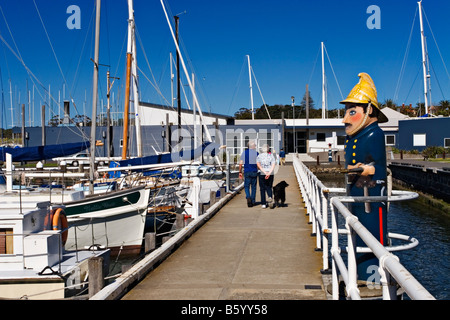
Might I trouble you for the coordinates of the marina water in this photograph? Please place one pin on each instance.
(429, 262)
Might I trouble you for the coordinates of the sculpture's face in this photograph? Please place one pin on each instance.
(355, 119)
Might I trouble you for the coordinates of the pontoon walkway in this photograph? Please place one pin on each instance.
(243, 253)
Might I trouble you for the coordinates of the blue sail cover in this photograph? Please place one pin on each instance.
(43, 152)
(186, 155)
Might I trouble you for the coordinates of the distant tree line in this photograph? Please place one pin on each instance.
(82, 120)
(299, 111)
(438, 109)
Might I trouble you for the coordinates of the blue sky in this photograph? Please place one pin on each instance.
(281, 37)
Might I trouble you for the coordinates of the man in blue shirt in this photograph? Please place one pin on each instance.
(248, 162)
(282, 157)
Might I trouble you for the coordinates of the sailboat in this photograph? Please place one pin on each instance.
(34, 264)
(39, 153)
(115, 220)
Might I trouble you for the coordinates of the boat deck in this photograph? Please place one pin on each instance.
(243, 253)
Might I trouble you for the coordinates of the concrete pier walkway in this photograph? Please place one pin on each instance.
(243, 253)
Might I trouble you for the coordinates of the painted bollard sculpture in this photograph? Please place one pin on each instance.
(365, 159)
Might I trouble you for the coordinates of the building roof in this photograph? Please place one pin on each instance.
(183, 110)
(393, 117)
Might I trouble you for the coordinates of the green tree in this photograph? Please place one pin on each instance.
(443, 108)
(389, 103)
(243, 113)
(55, 121)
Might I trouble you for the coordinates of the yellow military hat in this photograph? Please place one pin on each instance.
(365, 92)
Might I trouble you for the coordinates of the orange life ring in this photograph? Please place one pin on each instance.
(59, 222)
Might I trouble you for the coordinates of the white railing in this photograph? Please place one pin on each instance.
(321, 208)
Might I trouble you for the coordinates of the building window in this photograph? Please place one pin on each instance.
(234, 143)
(419, 140)
(321, 136)
(265, 138)
(341, 140)
(447, 142)
(237, 142)
(390, 139)
(6, 241)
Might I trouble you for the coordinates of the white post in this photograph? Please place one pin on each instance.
(251, 89)
(194, 209)
(424, 60)
(389, 287)
(334, 249)
(352, 265)
(324, 229)
(9, 169)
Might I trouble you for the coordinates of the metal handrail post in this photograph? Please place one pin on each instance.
(389, 285)
(334, 249)
(352, 285)
(325, 227)
(313, 215)
(317, 218)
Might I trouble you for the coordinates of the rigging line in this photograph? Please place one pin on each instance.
(33, 77)
(198, 87)
(405, 57)
(237, 86)
(154, 86)
(51, 46)
(437, 80)
(314, 66)
(265, 105)
(10, 33)
(144, 54)
(335, 78)
(81, 54)
(158, 90)
(4, 53)
(436, 43)
(184, 51)
(418, 71)
(163, 71)
(17, 55)
(183, 118)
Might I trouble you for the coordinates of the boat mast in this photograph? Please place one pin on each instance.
(135, 81)
(194, 95)
(251, 89)
(94, 100)
(424, 59)
(323, 83)
(127, 108)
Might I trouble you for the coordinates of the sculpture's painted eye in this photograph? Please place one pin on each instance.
(352, 112)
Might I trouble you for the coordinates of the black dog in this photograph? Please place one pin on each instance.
(279, 194)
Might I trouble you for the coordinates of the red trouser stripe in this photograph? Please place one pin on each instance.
(380, 214)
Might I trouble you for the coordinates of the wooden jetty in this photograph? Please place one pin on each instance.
(243, 253)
